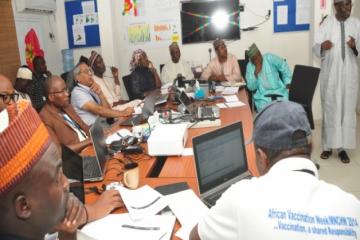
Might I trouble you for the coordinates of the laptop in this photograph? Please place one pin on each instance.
(199, 112)
(146, 111)
(220, 161)
(94, 167)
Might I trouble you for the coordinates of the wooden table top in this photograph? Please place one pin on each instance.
(177, 168)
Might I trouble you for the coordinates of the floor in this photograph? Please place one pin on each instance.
(332, 170)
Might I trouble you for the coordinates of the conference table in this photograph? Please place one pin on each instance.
(173, 169)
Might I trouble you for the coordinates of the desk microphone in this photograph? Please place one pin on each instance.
(210, 54)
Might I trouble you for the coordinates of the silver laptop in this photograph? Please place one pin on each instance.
(146, 111)
(220, 160)
(94, 167)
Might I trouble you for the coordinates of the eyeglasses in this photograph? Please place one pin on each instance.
(88, 71)
(6, 98)
(65, 90)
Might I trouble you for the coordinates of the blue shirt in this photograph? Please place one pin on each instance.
(268, 80)
(80, 95)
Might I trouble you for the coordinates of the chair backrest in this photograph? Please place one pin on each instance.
(303, 86)
(127, 84)
(161, 67)
(242, 64)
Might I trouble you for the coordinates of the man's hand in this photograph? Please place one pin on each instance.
(351, 43)
(219, 78)
(258, 68)
(127, 112)
(107, 202)
(326, 45)
(115, 72)
(74, 217)
(96, 88)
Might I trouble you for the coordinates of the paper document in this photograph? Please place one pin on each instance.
(142, 202)
(282, 15)
(118, 135)
(120, 226)
(230, 104)
(231, 98)
(188, 152)
(187, 207)
(230, 90)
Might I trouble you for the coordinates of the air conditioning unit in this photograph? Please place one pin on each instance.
(38, 6)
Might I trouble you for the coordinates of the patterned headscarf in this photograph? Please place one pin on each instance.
(135, 59)
(22, 144)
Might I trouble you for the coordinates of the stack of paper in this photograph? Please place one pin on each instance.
(188, 208)
(142, 202)
(117, 136)
(120, 226)
(230, 102)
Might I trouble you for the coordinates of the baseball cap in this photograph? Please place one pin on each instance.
(281, 125)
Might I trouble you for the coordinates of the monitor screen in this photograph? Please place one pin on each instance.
(219, 156)
(203, 21)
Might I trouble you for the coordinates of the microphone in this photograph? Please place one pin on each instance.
(210, 54)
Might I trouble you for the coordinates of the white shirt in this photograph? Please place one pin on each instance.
(109, 88)
(171, 70)
(283, 204)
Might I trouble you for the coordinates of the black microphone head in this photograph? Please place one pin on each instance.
(210, 50)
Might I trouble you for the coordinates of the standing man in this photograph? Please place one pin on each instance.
(336, 45)
(223, 68)
(23, 80)
(266, 75)
(110, 85)
(36, 87)
(288, 201)
(176, 66)
(88, 99)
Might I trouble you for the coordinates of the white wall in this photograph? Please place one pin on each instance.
(43, 24)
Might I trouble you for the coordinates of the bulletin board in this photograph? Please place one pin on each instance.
(292, 15)
(82, 23)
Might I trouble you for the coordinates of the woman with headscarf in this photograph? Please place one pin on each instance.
(144, 76)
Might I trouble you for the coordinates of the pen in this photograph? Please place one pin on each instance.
(140, 227)
(147, 205)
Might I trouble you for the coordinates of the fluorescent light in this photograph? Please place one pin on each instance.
(220, 19)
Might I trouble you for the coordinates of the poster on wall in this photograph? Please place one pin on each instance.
(146, 27)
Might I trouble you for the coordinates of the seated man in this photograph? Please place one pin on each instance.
(176, 66)
(110, 85)
(60, 117)
(288, 201)
(224, 67)
(144, 76)
(34, 193)
(23, 78)
(108, 201)
(267, 74)
(88, 99)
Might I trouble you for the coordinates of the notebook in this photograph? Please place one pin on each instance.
(220, 161)
(94, 167)
(146, 111)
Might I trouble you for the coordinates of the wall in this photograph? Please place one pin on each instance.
(43, 24)
(9, 55)
(294, 46)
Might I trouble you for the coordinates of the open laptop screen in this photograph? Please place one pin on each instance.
(219, 156)
(98, 140)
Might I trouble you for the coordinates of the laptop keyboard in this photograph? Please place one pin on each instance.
(91, 167)
(211, 200)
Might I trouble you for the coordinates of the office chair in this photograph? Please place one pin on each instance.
(303, 86)
(242, 64)
(128, 87)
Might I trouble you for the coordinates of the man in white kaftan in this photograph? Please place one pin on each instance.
(336, 45)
